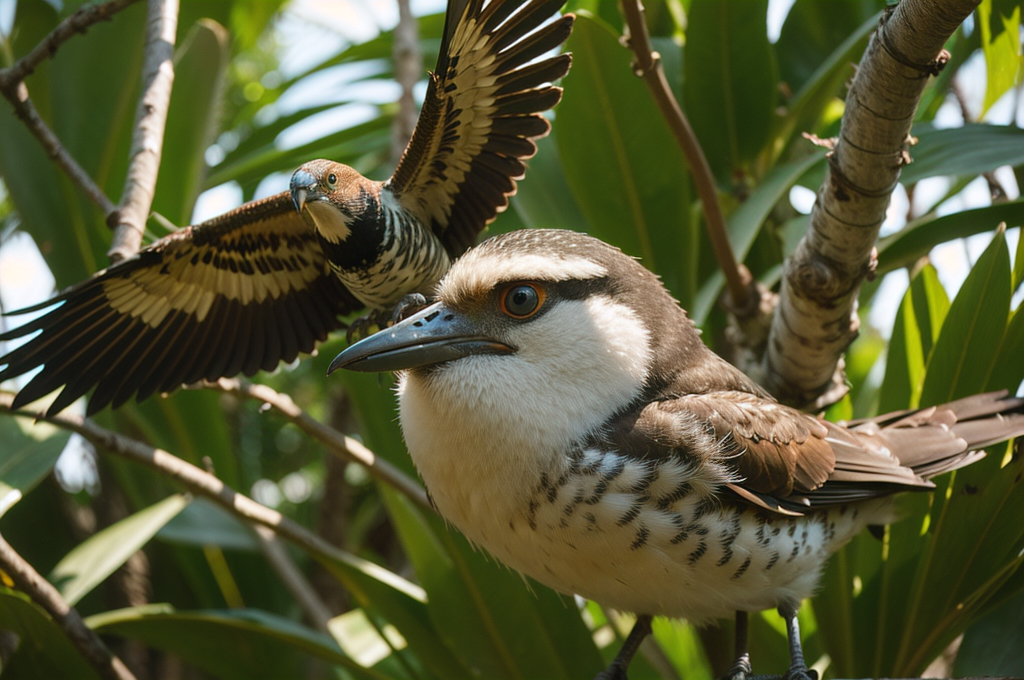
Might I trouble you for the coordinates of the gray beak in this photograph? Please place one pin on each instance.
(432, 336)
(303, 186)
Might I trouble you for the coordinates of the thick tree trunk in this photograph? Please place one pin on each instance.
(816, 319)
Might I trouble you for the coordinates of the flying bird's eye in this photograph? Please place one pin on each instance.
(521, 300)
(332, 180)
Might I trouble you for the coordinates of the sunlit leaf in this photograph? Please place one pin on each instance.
(102, 554)
(999, 21)
(729, 80)
(608, 130)
(962, 360)
(920, 236)
(44, 650)
(26, 457)
(237, 643)
(963, 151)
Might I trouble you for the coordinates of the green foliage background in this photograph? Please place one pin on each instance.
(415, 591)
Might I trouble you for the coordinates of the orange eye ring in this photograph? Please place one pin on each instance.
(521, 300)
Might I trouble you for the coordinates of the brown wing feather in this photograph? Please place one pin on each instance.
(239, 293)
(480, 115)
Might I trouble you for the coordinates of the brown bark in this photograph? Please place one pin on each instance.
(816, 319)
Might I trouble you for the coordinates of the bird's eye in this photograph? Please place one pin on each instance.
(332, 179)
(521, 300)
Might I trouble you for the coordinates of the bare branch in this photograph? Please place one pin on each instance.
(408, 63)
(12, 86)
(42, 592)
(193, 479)
(647, 65)
(23, 107)
(335, 441)
(129, 222)
(816, 319)
(292, 578)
(78, 22)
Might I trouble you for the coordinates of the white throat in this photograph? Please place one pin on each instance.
(330, 222)
(482, 430)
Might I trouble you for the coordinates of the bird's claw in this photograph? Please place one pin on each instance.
(407, 306)
(379, 319)
(801, 673)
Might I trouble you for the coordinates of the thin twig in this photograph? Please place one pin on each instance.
(293, 578)
(78, 22)
(647, 65)
(192, 478)
(335, 441)
(42, 592)
(129, 222)
(408, 66)
(23, 107)
(13, 88)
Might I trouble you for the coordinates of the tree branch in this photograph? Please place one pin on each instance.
(408, 66)
(292, 578)
(129, 222)
(336, 442)
(13, 88)
(816, 319)
(193, 479)
(42, 592)
(647, 65)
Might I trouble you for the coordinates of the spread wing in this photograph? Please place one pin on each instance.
(788, 461)
(239, 293)
(480, 115)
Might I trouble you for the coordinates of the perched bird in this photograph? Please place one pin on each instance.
(565, 415)
(258, 285)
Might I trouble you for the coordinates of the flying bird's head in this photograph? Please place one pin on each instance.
(333, 195)
(545, 326)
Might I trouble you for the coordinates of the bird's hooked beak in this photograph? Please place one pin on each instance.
(432, 336)
(304, 187)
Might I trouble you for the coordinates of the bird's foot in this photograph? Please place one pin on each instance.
(740, 669)
(613, 672)
(801, 672)
(363, 327)
(379, 319)
(407, 306)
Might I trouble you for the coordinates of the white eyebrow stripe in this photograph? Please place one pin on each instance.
(475, 273)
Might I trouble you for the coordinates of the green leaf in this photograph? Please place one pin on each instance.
(811, 32)
(238, 643)
(991, 647)
(608, 130)
(200, 63)
(1008, 371)
(44, 650)
(1018, 262)
(999, 21)
(746, 222)
(962, 360)
(204, 523)
(829, 78)
(920, 236)
(102, 554)
(729, 81)
(963, 151)
(27, 454)
(544, 199)
(918, 320)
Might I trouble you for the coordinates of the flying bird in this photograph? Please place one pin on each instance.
(256, 286)
(564, 414)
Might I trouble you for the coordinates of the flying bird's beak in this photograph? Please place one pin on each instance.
(432, 336)
(303, 185)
